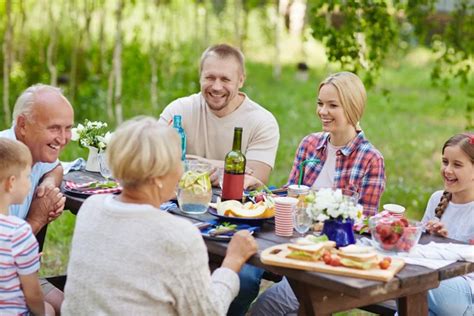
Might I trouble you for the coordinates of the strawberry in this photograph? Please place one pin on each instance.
(383, 230)
(392, 239)
(404, 221)
(398, 227)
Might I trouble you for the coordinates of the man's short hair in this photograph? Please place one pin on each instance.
(14, 157)
(141, 150)
(24, 103)
(224, 51)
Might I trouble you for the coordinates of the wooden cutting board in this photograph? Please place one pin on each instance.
(276, 256)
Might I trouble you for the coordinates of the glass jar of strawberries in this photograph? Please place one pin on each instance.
(394, 233)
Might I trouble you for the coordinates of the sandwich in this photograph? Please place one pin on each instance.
(359, 257)
(312, 252)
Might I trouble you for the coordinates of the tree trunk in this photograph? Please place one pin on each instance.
(237, 33)
(110, 95)
(117, 64)
(51, 51)
(278, 30)
(206, 23)
(152, 58)
(102, 42)
(75, 51)
(20, 44)
(7, 51)
(89, 7)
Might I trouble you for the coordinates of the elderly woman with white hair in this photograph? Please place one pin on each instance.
(130, 258)
(347, 161)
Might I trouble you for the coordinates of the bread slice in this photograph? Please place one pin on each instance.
(358, 253)
(312, 248)
(357, 249)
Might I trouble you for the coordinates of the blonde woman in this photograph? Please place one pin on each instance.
(130, 258)
(347, 161)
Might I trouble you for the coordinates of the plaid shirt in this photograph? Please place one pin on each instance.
(359, 167)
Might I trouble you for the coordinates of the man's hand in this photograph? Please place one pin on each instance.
(47, 205)
(252, 183)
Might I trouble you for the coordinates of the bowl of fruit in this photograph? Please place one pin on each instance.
(394, 233)
(194, 187)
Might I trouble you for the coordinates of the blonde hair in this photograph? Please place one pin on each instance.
(24, 103)
(141, 150)
(14, 157)
(465, 141)
(351, 93)
(224, 51)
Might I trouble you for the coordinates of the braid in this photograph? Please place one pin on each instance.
(443, 204)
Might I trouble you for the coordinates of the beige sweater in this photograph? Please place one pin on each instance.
(131, 259)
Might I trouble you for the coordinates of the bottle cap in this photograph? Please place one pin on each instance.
(296, 190)
(394, 208)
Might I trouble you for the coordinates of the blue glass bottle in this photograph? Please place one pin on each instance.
(182, 134)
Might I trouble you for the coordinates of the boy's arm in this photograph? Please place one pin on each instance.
(33, 294)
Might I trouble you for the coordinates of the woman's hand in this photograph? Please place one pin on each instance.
(241, 247)
(434, 226)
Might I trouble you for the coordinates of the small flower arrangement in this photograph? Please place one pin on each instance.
(92, 134)
(333, 204)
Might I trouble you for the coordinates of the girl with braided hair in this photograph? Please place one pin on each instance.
(450, 213)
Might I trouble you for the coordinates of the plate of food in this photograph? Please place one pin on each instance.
(222, 231)
(248, 213)
(260, 194)
(90, 188)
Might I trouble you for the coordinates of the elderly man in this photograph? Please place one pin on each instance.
(209, 117)
(42, 120)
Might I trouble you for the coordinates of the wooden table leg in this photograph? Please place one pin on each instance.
(415, 304)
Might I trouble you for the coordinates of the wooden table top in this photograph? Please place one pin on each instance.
(409, 278)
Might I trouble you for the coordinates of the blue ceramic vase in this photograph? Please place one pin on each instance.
(339, 230)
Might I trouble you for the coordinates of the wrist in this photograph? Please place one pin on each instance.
(36, 225)
(233, 263)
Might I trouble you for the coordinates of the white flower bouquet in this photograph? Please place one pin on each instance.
(92, 134)
(334, 204)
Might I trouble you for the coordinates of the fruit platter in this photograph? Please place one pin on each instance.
(319, 254)
(252, 212)
(394, 233)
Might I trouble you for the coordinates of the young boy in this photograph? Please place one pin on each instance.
(20, 291)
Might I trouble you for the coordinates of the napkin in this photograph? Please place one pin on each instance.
(167, 206)
(84, 188)
(216, 222)
(77, 164)
(433, 255)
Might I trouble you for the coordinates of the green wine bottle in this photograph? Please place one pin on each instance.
(234, 169)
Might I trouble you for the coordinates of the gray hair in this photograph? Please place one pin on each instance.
(25, 102)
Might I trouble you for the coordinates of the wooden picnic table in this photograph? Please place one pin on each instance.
(321, 293)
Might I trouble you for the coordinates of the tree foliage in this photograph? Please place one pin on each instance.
(359, 34)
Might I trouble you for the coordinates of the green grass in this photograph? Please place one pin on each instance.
(408, 125)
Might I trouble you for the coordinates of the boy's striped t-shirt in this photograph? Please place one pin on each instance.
(18, 256)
